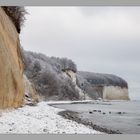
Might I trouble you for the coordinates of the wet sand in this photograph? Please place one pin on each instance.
(110, 117)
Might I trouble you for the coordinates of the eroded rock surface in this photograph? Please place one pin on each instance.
(11, 66)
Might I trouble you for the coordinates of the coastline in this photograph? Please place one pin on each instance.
(74, 116)
(111, 117)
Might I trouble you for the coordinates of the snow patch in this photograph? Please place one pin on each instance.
(40, 119)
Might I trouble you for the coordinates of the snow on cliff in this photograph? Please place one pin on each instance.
(40, 119)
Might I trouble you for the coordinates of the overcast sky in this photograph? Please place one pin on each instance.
(97, 39)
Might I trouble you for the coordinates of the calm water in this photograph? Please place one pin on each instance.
(127, 122)
(134, 91)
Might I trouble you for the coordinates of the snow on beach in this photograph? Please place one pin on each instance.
(40, 119)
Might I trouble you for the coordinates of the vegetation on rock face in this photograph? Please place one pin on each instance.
(99, 79)
(16, 14)
(46, 73)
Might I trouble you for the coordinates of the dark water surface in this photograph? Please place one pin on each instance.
(115, 115)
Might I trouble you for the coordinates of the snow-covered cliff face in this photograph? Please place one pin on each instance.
(11, 66)
(72, 75)
(115, 93)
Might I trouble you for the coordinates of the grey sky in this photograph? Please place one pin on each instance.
(98, 39)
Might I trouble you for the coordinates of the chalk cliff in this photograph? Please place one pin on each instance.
(73, 77)
(11, 65)
(104, 86)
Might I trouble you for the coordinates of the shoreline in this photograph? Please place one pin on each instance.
(71, 115)
(111, 117)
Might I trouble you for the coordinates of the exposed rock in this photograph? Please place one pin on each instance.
(31, 97)
(115, 93)
(11, 73)
(119, 112)
(90, 112)
(73, 77)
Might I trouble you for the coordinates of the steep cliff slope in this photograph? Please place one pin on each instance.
(11, 66)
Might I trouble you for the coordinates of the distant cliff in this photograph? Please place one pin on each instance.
(105, 86)
(58, 79)
(11, 65)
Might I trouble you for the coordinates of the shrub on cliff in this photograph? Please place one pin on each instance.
(16, 14)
